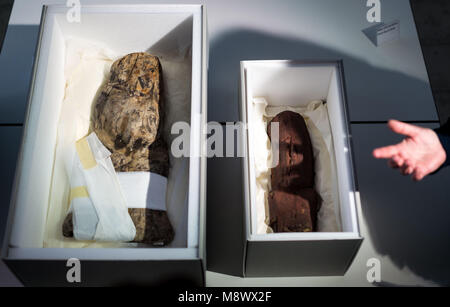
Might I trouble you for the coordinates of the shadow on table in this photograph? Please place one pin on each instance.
(363, 81)
(407, 221)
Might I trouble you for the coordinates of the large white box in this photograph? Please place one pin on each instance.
(295, 84)
(126, 29)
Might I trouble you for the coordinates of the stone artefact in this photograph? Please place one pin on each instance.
(293, 201)
(127, 118)
(128, 114)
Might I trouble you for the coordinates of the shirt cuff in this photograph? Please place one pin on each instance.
(445, 142)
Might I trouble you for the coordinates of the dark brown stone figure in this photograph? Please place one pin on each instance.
(296, 160)
(293, 212)
(293, 201)
(127, 118)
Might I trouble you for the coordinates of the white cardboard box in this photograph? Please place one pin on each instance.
(295, 83)
(124, 28)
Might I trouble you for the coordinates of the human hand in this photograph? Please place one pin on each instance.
(419, 154)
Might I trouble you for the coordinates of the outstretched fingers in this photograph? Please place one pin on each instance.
(404, 128)
(387, 152)
(396, 162)
(407, 170)
(419, 175)
(421, 172)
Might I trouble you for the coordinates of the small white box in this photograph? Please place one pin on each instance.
(295, 84)
(125, 29)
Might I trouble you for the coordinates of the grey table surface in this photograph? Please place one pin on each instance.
(382, 82)
(403, 222)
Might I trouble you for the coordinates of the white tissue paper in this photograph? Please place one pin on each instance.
(317, 122)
